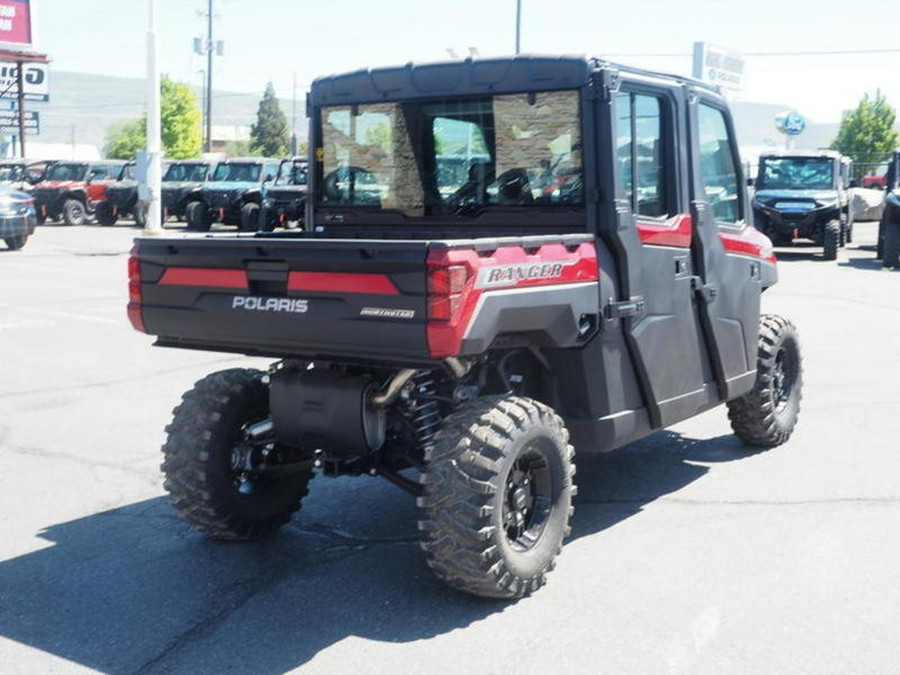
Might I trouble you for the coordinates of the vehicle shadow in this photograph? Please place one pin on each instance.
(871, 264)
(133, 589)
(617, 485)
(799, 253)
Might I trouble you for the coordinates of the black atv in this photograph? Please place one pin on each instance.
(804, 195)
(234, 194)
(284, 201)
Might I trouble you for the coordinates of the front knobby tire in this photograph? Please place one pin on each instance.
(498, 486)
(205, 438)
(767, 415)
(831, 240)
(249, 217)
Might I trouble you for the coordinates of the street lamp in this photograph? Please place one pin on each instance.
(518, 23)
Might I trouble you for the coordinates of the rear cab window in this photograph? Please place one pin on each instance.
(503, 159)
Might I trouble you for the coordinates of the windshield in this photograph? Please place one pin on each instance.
(237, 172)
(194, 173)
(796, 173)
(458, 157)
(11, 173)
(67, 172)
(128, 172)
(291, 173)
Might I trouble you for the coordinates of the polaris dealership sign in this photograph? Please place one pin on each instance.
(719, 66)
(35, 80)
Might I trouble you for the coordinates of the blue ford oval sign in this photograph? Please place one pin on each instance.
(790, 122)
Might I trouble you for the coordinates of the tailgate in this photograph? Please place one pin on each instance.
(286, 297)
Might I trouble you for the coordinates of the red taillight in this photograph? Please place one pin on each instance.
(135, 300)
(445, 289)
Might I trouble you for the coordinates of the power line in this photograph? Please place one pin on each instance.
(822, 52)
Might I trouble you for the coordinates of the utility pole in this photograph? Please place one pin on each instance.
(209, 59)
(294, 118)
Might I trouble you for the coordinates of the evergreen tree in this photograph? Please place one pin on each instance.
(269, 136)
(867, 134)
(179, 119)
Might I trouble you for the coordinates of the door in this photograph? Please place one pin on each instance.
(728, 284)
(662, 325)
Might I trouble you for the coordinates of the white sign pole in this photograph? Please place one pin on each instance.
(154, 135)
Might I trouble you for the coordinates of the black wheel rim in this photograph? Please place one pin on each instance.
(784, 377)
(527, 498)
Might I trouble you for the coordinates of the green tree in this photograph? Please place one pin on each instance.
(867, 134)
(179, 119)
(269, 136)
(125, 139)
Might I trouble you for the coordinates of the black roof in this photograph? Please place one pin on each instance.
(468, 77)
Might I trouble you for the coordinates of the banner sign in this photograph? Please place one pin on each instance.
(9, 122)
(15, 24)
(35, 80)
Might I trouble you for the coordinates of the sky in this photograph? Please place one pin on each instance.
(284, 41)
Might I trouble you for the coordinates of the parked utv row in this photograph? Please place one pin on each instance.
(250, 193)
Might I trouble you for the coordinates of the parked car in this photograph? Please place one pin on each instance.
(874, 182)
(18, 217)
(234, 194)
(71, 191)
(181, 184)
(804, 195)
(284, 200)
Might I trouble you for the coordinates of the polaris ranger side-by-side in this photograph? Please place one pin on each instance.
(284, 200)
(888, 248)
(71, 191)
(586, 278)
(233, 195)
(804, 195)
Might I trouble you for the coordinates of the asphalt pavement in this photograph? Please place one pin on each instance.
(689, 553)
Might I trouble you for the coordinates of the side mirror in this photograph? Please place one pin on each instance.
(750, 182)
(269, 177)
(853, 183)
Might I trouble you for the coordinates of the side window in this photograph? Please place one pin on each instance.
(718, 170)
(640, 134)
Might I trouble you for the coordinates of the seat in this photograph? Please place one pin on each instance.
(514, 188)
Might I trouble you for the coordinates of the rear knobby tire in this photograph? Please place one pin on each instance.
(767, 415)
(207, 491)
(831, 240)
(498, 485)
(104, 214)
(891, 248)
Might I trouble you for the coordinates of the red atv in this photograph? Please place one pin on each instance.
(71, 191)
